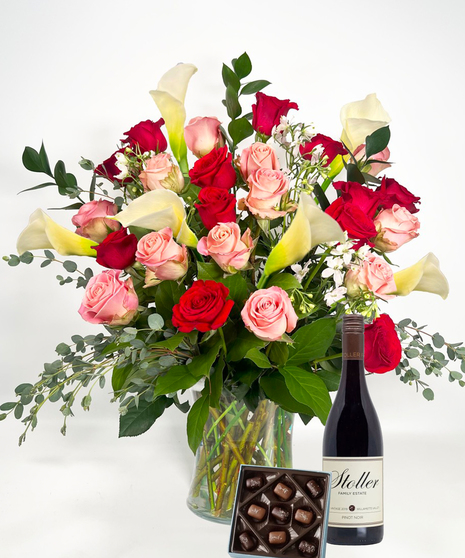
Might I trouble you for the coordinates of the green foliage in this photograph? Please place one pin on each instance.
(196, 421)
(312, 341)
(242, 345)
(258, 358)
(167, 295)
(139, 418)
(377, 141)
(286, 281)
(276, 389)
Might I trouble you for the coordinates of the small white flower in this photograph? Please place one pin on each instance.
(299, 271)
(335, 270)
(363, 252)
(335, 295)
(122, 164)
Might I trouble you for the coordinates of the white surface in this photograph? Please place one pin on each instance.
(77, 75)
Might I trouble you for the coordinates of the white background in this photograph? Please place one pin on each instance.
(77, 75)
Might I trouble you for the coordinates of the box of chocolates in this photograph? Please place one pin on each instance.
(280, 512)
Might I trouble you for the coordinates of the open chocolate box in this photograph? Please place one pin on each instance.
(280, 512)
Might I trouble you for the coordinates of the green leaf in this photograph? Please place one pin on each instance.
(155, 322)
(247, 377)
(8, 406)
(23, 388)
(120, 375)
(377, 141)
(242, 65)
(207, 271)
(240, 129)
(200, 365)
(172, 342)
(44, 161)
(32, 161)
(230, 79)
(456, 375)
(18, 412)
(13, 260)
(330, 378)
(258, 358)
(65, 181)
(67, 207)
(309, 389)
(428, 394)
(49, 255)
(354, 174)
(70, 266)
(438, 340)
(238, 290)
(405, 322)
(232, 103)
(196, 420)
(275, 389)
(242, 345)
(286, 281)
(254, 86)
(216, 383)
(63, 349)
(140, 418)
(279, 353)
(167, 295)
(39, 186)
(312, 341)
(176, 378)
(26, 257)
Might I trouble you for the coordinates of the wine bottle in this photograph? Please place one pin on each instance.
(353, 449)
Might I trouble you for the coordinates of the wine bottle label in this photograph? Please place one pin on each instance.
(356, 491)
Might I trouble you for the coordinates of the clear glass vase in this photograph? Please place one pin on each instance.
(233, 436)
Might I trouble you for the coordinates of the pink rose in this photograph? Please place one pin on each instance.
(160, 173)
(395, 227)
(109, 300)
(268, 314)
(163, 258)
(202, 134)
(374, 275)
(226, 246)
(373, 168)
(91, 220)
(266, 187)
(258, 156)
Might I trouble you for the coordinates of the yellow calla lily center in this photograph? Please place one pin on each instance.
(424, 276)
(42, 233)
(156, 210)
(311, 226)
(360, 119)
(169, 97)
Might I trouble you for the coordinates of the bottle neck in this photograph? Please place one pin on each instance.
(353, 382)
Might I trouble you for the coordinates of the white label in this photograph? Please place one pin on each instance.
(356, 491)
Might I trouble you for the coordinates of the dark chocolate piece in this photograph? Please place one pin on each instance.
(277, 537)
(304, 516)
(280, 514)
(254, 483)
(314, 488)
(283, 491)
(256, 512)
(307, 548)
(247, 541)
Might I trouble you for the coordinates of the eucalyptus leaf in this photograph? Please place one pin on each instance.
(155, 322)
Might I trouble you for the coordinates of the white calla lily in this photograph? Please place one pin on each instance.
(360, 119)
(311, 226)
(169, 97)
(42, 233)
(156, 210)
(424, 276)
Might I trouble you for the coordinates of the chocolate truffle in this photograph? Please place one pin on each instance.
(314, 488)
(256, 512)
(247, 540)
(303, 516)
(307, 548)
(283, 491)
(280, 514)
(277, 537)
(254, 483)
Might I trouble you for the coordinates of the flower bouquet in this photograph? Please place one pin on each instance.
(230, 275)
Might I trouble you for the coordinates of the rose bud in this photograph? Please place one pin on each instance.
(331, 148)
(91, 219)
(214, 169)
(202, 134)
(374, 275)
(383, 350)
(267, 112)
(109, 300)
(203, 307)
(227, 247)
(258, 156)
(146, 136)
(162, 256)
(216, 206)
(395, 226)
(373, 168)
(268, 314)
(117, 250)
(160, 173)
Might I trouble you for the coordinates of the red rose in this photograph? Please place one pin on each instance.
(267, 112)
(216, 206)
(147, 136)
(393, 193)
(203, 307)
(353, 220)
(383, 350)
(365, 199)
(331, 148)
(109, 170)
(214, 169)
(117, 250)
